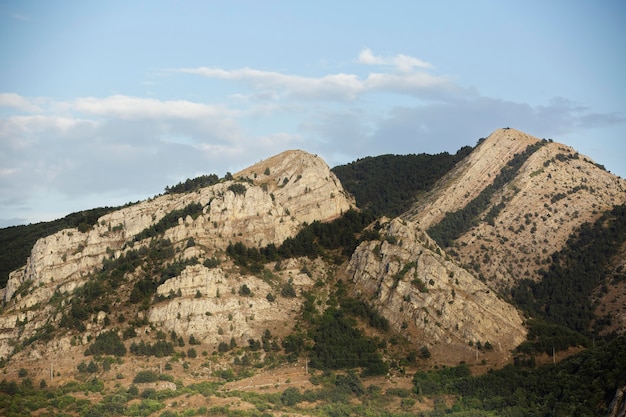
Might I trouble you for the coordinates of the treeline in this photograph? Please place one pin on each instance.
(16, 242)
(563, 295)
(388, 184)
(312, 241)
(582, 385)
(454, 224)
(192, 184)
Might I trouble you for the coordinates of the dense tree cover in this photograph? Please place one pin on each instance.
(454, 224)
(192, 184)
(582, 385)
(107, 343)
(312, 241)
(544, 337)
(563, 296)
(359, 308)
(333, 340)
(16, 242)
(339, 345)
(160, 348)
(388, 184)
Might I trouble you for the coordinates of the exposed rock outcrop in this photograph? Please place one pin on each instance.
(554, 192)
(263, 204)
(427, 296)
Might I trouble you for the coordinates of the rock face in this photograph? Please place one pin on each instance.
(210, 304)
(263, 204)
(423, 292)
(470, 177)
(554, 192)
(425, 295)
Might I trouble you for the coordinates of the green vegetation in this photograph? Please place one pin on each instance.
(563, 296)
(160, 348)
(454, 224)
(543, 337)
(330, 335)
(388, 184)
(99, 292)
(316, 239)
(582, 385)
(193, 184)
(340, 345)
(107, 343)
(145, 376)
(237, 188)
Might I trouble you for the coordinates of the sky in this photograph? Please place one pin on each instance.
(105, 103)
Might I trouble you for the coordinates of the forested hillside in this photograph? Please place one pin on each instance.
(564, 294)
(388, 184)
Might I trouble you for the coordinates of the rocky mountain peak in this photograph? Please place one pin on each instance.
(527, 197)
(263, 204)
(471, 176)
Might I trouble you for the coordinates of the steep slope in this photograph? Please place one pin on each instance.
(529, 216)
(180, 230)
(429, 298)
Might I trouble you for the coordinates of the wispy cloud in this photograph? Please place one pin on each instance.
(127, 107)
(401, 62)
(406, 77)
(329, 87)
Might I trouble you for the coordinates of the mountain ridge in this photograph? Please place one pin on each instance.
(174, 267)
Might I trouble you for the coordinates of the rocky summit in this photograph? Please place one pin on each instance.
(276, 266)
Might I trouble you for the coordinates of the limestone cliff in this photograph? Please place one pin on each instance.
(554, 192)
(257, 206)
(428, 297)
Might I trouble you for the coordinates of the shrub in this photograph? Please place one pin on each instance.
(245, 291)
(145, 376)
(237, 188)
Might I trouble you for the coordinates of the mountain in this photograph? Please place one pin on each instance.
(517, 200)
(276, 265)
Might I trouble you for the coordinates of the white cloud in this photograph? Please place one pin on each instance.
(329, 87)
(127, 107)
(401, 62)
(336, 87)
(18, 102)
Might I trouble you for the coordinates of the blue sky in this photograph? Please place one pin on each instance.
(102, 103)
